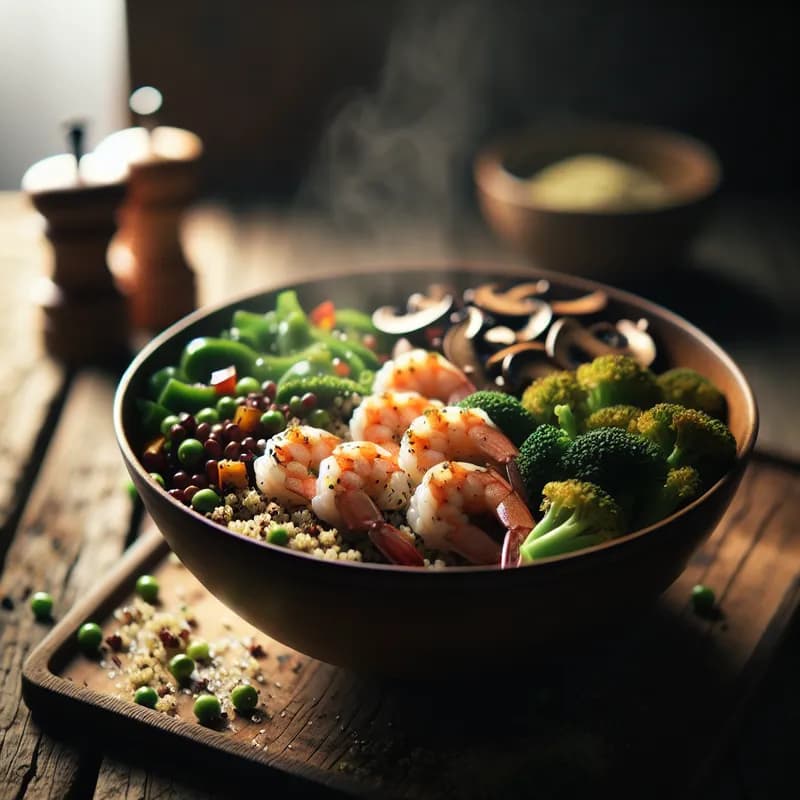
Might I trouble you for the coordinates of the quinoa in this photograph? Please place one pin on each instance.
(148, 637)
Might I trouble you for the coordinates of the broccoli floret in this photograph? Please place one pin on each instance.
(624, 464)
(577, 514)
(539, 459)
(615, 379)
(688, 437)
(682, 485)
(566, 420)
(505, 411)
(545, 393)
(688, 388)
(614, 417)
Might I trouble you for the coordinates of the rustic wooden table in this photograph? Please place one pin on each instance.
(65, 517)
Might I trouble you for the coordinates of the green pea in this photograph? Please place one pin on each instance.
(273, 421)
(208, 414)
(190, 451)
(41, 605)
(207, 709)
(226, 407)
(248, 384)
(205, 501)
(278, 536)
(244, 698)
(159, 479)
(90, 635)
(181, 666)
(703, 598)
(168, 422)
(130, 488)
(319, 418)
(198, 650)
(296, 407)
(147, 588)
(146, 696)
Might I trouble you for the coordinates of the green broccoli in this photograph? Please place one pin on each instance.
(545, 393)
(625, 465)
(688, 437)
(539, 459)
(566, 420)
(619, 416)
(615, 379)
(577, 514)
(682, 485)
(505, 411)
(685, 387)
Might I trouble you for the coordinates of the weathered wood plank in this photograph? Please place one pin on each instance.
(120, 781)
(71, 531)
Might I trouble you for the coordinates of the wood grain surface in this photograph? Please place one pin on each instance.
(65, 520)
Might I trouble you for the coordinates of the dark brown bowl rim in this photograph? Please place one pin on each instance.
(743, 453)
(493, 178)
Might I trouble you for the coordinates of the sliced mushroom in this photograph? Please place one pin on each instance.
(518, 301)
(460, 347)
(640, 343)
(520, 365)
(569, 344)
(387, 320)
(587, 304)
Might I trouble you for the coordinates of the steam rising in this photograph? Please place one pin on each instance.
(398, 155)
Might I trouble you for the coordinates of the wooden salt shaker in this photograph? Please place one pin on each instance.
(147, 255)
(84, 313)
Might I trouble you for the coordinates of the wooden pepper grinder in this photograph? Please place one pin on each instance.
(163, 179)
(84, 313)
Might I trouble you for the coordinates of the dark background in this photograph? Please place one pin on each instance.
(296, 99)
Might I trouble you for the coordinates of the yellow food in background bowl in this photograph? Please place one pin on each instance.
(592, 182)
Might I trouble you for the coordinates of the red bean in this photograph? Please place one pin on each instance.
(202, 431)
(249, 443)
(212, 472)
(233, 432)
(179, 495)
(190, 491)
(232, 450)
(180, 480)
(270, 389)
(177, 433)
(213, 448)
(188, 421)
(200, 481)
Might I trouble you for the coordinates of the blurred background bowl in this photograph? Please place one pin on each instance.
(402, 621)
(597, 243)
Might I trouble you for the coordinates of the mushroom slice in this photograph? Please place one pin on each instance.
(587, 304)
(387, 320)
(515, 302)
(569, 344)
(520, 364)
(459, 347)
(640, 343)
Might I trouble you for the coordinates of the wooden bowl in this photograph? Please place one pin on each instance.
(597, 244)
(413, 622)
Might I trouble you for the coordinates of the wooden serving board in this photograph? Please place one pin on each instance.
(653, 706)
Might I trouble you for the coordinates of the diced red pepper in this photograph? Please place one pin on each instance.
(324, 315)
(247, 418)
(224, 380)
(340, 368)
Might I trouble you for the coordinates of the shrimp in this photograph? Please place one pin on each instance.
(426, 372)
(287, 471)
(383, 418)
(440, 509)
(358, 481)
(452, 433)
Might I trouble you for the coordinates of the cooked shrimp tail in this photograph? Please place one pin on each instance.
(453, 491)
(362, 515)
